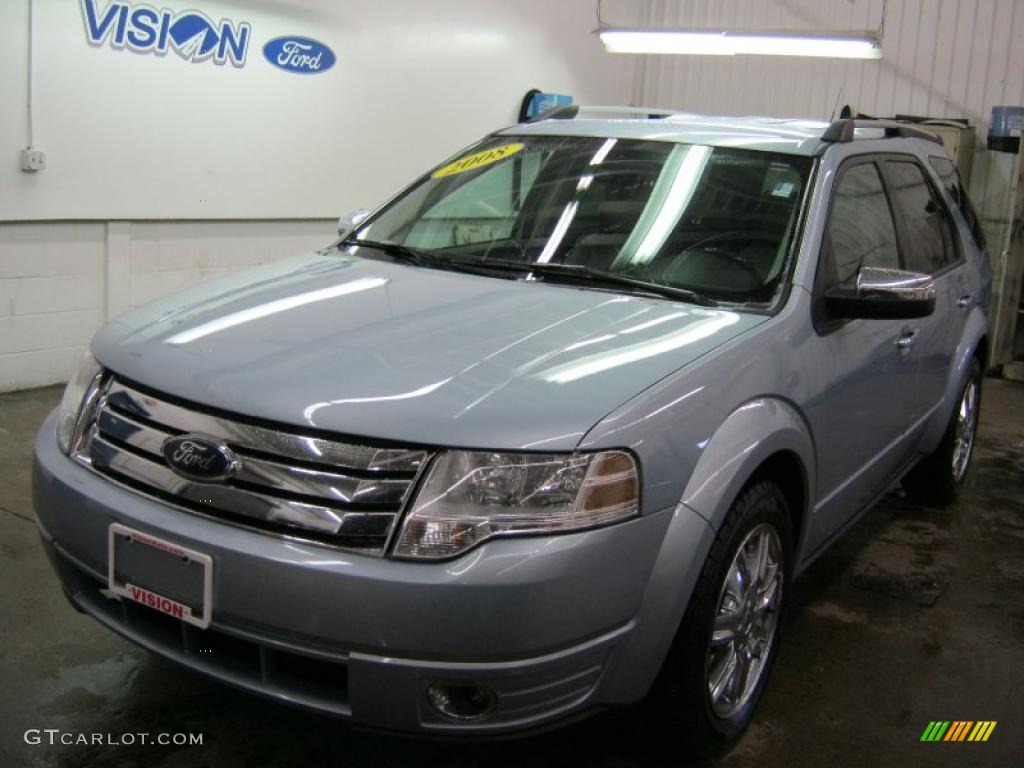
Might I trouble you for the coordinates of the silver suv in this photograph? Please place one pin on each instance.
(552, 430)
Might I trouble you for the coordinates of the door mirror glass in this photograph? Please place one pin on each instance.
(351, 220)
(880, 293)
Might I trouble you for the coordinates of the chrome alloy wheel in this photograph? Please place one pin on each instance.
(746, 621)
(966, 427)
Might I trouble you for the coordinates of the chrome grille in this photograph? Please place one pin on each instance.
(342, 493)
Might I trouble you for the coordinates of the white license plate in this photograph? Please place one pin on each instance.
(160, 574)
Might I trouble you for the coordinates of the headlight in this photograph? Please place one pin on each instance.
(467, 498)
(75, 392)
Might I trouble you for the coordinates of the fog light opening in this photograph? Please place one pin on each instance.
(461, 701)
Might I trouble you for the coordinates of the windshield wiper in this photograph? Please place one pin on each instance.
(585, 274)
(397, 251)
(578, 272)
(422, 258)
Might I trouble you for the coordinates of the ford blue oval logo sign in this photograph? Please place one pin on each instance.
(299, 54)
(198, 457)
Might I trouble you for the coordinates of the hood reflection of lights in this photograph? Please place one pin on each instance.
(652, 323)
(615, 358)
(311, 410)
(274, 307)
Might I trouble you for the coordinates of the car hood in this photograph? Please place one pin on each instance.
(372, 348)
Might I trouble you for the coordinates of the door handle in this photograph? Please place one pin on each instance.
(964, 301)
(907, 338)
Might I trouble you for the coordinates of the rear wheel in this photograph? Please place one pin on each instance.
(939, 478)
(727, 642)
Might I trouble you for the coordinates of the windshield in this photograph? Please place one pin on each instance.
(717, 221)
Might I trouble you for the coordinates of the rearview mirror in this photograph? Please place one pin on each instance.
(351, 220)
(883, 294)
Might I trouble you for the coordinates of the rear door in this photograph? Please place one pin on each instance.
(929, 247)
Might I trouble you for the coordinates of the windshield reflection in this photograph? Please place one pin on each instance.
(718, 221)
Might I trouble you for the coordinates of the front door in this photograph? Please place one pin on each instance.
(866, 413)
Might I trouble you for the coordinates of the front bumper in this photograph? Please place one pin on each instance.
(553, 625)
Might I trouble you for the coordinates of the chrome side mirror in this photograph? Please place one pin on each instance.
(884, 294)
(351, 220)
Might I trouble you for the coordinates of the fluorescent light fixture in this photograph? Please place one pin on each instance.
(665, 41)
(837, 45)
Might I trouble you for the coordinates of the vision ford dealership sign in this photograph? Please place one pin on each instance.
(195, 37)
(145, 29)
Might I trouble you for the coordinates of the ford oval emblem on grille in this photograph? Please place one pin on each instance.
(198, 457)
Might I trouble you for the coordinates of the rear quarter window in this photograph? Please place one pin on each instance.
(951, 180)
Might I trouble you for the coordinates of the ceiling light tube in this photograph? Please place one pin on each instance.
(837, 45)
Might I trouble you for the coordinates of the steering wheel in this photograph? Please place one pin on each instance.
(701, 248)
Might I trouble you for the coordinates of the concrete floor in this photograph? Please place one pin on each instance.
(916, 615)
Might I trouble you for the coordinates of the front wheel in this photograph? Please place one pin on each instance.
(726, 645)
(939, 478)
(746, 622)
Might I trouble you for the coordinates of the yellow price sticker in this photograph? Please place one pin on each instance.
(477, 160)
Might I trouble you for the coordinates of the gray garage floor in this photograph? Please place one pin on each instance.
(917, 615)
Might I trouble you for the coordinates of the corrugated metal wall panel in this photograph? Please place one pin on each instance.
(943, 58)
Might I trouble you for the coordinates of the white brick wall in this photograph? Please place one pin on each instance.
(56, 286)
(29, 333)
(52, 298)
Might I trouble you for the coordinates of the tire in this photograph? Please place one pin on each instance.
(683, 694)
(939, 478)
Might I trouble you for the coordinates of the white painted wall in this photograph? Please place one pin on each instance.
(140, 136)
(162, 172)
(942, 58)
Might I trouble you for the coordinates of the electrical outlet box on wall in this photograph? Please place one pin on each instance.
(33, 160)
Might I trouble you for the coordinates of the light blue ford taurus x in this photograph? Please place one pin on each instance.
(552, 430)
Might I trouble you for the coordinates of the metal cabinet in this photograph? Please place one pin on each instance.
(959, 141)
(1007, 313)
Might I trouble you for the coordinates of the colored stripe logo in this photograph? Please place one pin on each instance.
(958, 730)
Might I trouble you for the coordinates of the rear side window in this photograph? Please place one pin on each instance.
(860, 231)
(951, 179)
(929, 243)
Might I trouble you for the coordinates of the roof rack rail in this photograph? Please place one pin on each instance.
(842, 130)
(574, 111)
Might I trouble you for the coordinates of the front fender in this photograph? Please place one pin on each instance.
(975, 330)
(678, 566)
(750, 435)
